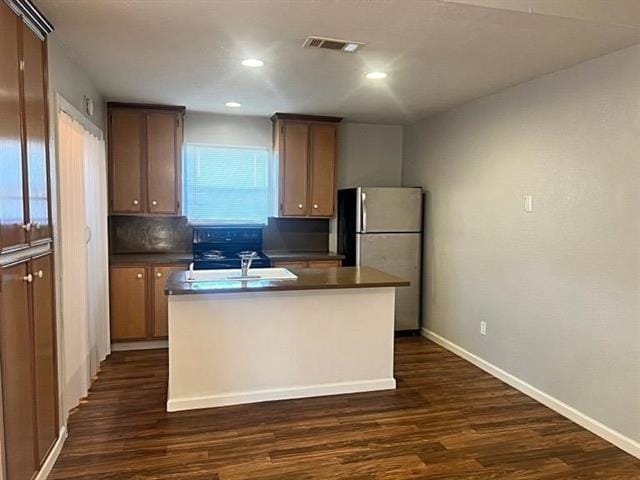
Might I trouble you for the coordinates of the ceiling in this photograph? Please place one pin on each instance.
(438, 53)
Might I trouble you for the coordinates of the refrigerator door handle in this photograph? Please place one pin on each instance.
(364, 212)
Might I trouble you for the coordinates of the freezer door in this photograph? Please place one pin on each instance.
(390, 209)
(398, 254)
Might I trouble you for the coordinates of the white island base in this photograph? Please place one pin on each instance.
(233, 348)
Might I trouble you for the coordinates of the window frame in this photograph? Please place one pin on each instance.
(269, 177)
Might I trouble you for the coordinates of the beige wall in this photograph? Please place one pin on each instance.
(558, 287)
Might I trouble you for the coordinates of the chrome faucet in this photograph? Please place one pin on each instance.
(245, 262)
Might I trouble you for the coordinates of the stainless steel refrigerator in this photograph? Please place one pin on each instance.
(382, 227)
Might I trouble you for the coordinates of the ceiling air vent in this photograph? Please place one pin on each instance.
(332, 44)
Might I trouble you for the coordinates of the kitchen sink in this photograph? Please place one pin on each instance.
(235, 274)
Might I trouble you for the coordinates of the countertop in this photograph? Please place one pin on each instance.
(287, 256)
(308, 279)
(187, 257)
(155, 258)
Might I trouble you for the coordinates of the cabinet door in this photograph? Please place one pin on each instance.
(160, 304)
(162, 162)
(323, 169)
(12, 213)
(35, 121)
(128, 294)
(125, 156)
(17, 373)
(44, 335)
(294, 168)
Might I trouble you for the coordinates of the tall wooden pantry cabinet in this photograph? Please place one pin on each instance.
(28, 369)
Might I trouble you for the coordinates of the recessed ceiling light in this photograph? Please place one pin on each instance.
(376, 75)
(233, 104)
(252, 62)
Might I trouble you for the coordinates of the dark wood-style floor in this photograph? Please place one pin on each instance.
(447, 420)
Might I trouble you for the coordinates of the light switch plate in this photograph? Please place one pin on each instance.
(528, 203)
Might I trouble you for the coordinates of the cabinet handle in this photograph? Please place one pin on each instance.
(28, 278)
(315, 205)
(26, 227)
(159, 275)
(138, 276)
(300, 206)
(135, 202)
(39, 274)
(154, 203)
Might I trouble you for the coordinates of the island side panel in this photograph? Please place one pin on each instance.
(226, 349)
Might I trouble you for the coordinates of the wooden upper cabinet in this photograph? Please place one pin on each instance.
(128, 302)
(44, 335)
(163, 162)
(18, 395)
(125, 155)
(294, 168)
(145, 148)
(322, 137)
(12, 211)
(36, 134)
(305, 146)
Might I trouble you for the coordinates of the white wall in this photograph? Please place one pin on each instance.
(72, 82)
(234, 130)
(559, 287)
(369, 155)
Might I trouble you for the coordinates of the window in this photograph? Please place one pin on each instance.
(225, 184)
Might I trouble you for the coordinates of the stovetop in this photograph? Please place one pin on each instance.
(220, 247)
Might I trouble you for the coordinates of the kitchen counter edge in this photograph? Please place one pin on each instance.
(153, 258)
(308, 279)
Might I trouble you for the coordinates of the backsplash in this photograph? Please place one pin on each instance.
(137, 234)
(296, 235)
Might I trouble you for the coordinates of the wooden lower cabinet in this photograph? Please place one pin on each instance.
(28, 365)
(128, 302)
(44, 335)
(160, 323)
(138, 302)
(309, 264)
(18, 395)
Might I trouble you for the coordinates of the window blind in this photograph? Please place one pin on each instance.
(225, 185)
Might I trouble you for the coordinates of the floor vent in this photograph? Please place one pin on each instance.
(332, 44)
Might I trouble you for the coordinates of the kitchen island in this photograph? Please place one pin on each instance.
(328, 331)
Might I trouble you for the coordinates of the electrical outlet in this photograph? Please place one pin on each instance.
(483, 328)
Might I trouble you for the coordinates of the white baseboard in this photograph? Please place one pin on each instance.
(50, 461)
(235, 398)
(142, 345)
(618, 439)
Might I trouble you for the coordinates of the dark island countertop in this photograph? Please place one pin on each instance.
(288, 256)
(308, 279)
(155, 258)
